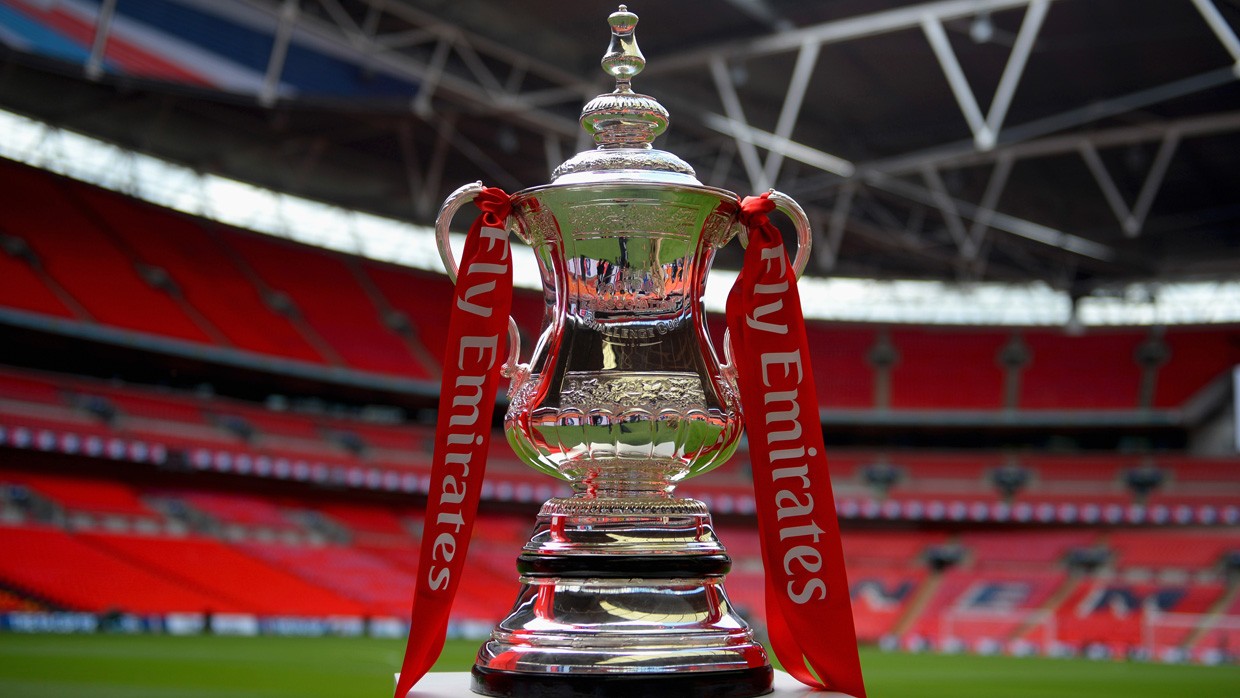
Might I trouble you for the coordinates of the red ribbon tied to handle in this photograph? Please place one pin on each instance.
(808, 609)
(477, 332)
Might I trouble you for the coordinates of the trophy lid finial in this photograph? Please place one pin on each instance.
(624, 123)
(623, 118)
(623, 59)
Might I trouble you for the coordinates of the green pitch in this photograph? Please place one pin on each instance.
(110, 666)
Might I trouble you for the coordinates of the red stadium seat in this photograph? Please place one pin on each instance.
(70, 572)
(947, 369)
(1095, 371)
(85, 260)
(329, 297)
(204, 270)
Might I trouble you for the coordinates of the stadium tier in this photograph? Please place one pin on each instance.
(275, 556)
(75, 415)
(78, 258)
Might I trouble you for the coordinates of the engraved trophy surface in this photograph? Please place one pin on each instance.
(623, 397)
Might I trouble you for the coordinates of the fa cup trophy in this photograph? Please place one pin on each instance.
(622, 584)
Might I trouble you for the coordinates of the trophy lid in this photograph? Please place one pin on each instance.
(624, 123)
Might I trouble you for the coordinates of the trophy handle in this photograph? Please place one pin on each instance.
(789, 207)
(443, 222)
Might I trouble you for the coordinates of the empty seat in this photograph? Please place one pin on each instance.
(204, 272)
(71, 573)
(230, 578)
(1196, 358)
(1093, 371)
(84, 260)
(330, 299)
(948, 368)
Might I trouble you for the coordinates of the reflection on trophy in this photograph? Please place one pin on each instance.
(624, 397)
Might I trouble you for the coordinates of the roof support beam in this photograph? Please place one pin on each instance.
(289, 12)
(1211, 124)
(430, 79)
(1014, 137)
(1153, 183)
(990, 199)
(1226, 35)
(1015, 69)
(736, 114)
(807, 58)
(744, 133)
(951, 215)
(828, 251)
(103, 28)
(873, 24)
(999, 221)
(935, 34)
(1132, 220)
(343, 21)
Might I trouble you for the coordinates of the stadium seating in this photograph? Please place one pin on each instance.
(84, 260)
(45, 411)
(423, 298)
(325, 293)
(365, 521)
(104, 258)
(369, 582)
(1197, 550)
(971, 606)
(66, 571)
(24, 286)
(1198, 357)
(230, 578)
(1114, 613)
(844, 379)
(86, 494)
(1093, 371)
(881, 598)
(947, 369)
(938, 555)
(1001, 589)
(1215, 638)
(1023, 549)
(237, 509)
(207, 274)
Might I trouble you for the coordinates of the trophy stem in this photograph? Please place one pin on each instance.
(617, 486)
(622, 596)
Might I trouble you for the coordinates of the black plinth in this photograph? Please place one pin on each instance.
(736, 683)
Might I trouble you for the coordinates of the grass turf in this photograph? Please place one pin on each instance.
(114, 666)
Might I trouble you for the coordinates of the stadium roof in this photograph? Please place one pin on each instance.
(1068, 149)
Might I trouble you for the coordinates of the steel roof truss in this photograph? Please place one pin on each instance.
(289, 13)
(1131, 220)
(1226, 35)
(829, 247)
(103, 28)
(986, 129)
(726, 87)
(807, 58)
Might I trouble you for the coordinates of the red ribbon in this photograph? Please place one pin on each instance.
(477, 334)
(808, 609)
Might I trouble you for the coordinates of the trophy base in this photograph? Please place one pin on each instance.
(623, 597)
(735, 683)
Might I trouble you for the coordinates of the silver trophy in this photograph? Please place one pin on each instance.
(624, 397)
